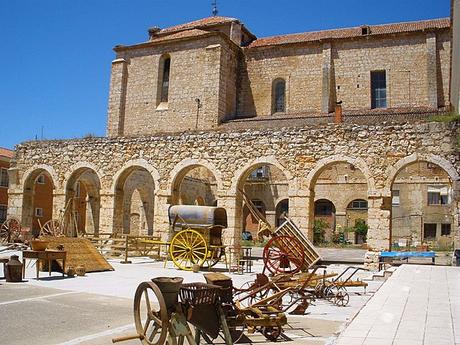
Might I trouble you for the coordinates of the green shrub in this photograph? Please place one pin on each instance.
(319, 229)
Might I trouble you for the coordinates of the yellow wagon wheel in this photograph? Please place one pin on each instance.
(188, 247)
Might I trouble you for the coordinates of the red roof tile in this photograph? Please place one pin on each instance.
(198, 23)
(6, 153)
(180, 34)
(440, 23)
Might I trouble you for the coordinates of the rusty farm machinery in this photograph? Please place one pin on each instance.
(164, 309)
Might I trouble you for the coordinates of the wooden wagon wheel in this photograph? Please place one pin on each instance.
(283, 254)
(10, 230)
(188, 247)
(52, 228)
(341, 297)
(213, 257)
(150, 314)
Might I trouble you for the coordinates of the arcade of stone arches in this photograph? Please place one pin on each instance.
(418, 206)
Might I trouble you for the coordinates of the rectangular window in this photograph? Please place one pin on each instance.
(38, 212)
(378, 89)
(3, 211)
(429, 231)
(3, 177)
(445, 229)
(395, 201)
(260, 173)
(438, 195)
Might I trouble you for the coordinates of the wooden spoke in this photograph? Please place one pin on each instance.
(283, 254)
(10, 231)
(151, 321)
(53, 227)
(188, 247)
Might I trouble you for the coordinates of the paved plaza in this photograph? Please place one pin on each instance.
(418, 305)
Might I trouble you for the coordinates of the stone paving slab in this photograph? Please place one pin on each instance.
(418, 305)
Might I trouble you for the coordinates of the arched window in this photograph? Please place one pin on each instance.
(279, 96)
(357, 204)
(165, 64)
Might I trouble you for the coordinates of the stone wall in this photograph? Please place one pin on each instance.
(378, 151)
(230, 81)
(201, 69)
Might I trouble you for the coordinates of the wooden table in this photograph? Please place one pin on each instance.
(43, 255)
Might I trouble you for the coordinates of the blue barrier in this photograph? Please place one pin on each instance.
(404, 256)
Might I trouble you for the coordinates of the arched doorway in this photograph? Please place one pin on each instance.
(134, 201)
(37, 204)
(195, 185)
(263, 184)
(332, 187)
(357, 221)
(83, 202)
(324, 223)
(423, 209)
(282, 211)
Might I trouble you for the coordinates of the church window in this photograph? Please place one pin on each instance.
(165, 82)
(163, 79)
(378, 89)
(279, 96)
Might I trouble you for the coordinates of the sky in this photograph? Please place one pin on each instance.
(56, 54)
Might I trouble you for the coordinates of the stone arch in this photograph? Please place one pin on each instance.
(134, 175)
(340, 205)
(133, 164)
(34, 171)
(79, 166)
(184, 166)
(325, 162)
(240, 179)
(393, 171)
(244, 171)
(412, 222)
(46, 191)
(82, 198)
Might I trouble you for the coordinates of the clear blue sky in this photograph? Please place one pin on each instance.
(56, 54)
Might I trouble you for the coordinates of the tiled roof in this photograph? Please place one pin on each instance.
(6, 153)
(384, 29)
(178, 35)
(198, 23)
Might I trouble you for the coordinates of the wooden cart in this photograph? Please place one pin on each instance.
(288, 249)
(196, 235)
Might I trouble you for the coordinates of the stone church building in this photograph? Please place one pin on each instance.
(299, 121)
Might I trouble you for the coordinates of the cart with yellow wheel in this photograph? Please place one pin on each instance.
(197, 235)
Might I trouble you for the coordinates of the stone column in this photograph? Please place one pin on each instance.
(326, 79)
(160, 218)
(59, 204)
(117, 98)
(271, 218)
(15, 195)
(378, 234)
(231, 235)
(301, 211)
(431, 72)
(106, 212)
